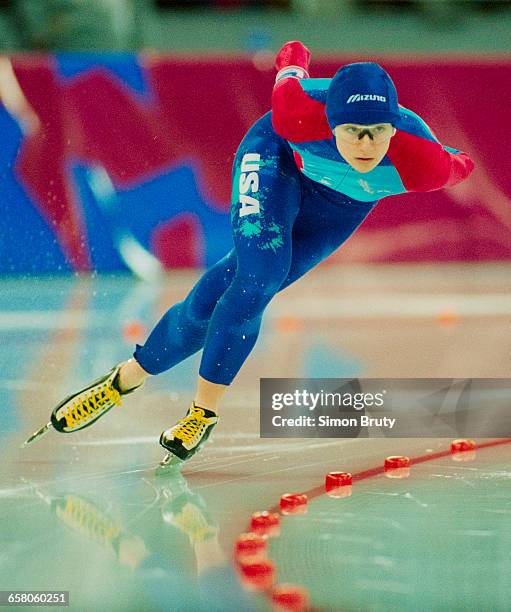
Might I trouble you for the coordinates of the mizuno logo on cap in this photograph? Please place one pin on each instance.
(363, 97)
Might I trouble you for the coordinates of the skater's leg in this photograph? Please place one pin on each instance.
(83, 408)
(266, 201)
(326, 220)
(209, 394)
(313, 222)
(131, 374)
(264, 172)
(324, 223)
(182, 330)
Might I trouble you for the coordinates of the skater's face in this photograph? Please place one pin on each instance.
(363, 146)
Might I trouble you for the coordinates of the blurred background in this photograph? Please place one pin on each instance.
(241, 25)
(119, 121)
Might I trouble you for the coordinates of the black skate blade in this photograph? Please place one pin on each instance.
(37, 434)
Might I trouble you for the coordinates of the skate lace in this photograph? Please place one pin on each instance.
(191, 427)
(192, 521)
(82, 516)
(88, 406)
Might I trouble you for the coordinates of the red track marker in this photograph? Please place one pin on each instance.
(293, 503)
(265, 523)
(257, 576)
(396, 461)
(289, 597)
(461, 445)
(250, 546)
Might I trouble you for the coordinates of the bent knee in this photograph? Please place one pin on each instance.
(251, 295)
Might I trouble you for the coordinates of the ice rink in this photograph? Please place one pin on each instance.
(89, 513)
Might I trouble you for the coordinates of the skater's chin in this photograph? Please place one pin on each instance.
(364, 164)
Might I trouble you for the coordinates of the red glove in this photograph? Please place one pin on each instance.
(293, 53)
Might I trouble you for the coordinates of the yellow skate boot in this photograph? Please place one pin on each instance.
(189, 434)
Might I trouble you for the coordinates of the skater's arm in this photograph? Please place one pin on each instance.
(423, 163)
(296, 115)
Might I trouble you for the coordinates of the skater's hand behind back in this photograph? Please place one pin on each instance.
(293, 53)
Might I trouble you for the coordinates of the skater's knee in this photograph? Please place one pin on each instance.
(265, 288)
(251, 293)
(201, 301)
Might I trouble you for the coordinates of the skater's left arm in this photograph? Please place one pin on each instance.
(423, 163)
(296, 116)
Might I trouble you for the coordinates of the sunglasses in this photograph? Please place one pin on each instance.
(353, 133)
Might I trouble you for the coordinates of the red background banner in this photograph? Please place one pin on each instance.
(197, 110)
